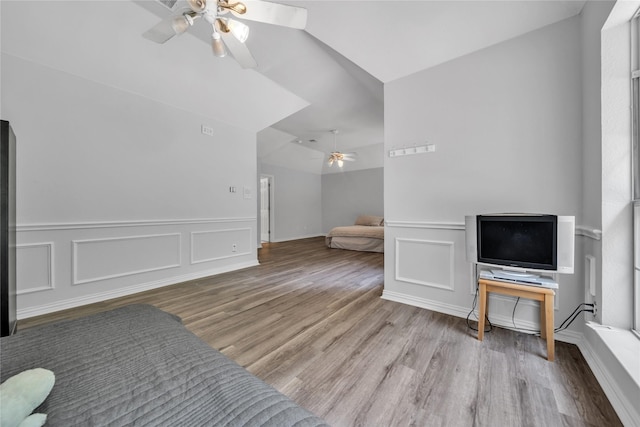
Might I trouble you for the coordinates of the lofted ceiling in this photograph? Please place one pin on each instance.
(330, 76)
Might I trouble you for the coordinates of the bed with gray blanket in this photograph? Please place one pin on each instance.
(139, 365)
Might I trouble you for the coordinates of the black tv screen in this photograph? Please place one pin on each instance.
(525, 241)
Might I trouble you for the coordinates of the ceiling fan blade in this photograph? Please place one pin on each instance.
(161, 32)
(274, 13)
(171, 26)
(239, 50)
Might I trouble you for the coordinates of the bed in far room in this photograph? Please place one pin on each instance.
(367, 234)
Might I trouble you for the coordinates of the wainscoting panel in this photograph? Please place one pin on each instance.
(425, 262)
(34, 266)
(86, 262)
(426, 266)
(218, 244)
(100, 259)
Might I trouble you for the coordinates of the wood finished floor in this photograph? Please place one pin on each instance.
(310, 321)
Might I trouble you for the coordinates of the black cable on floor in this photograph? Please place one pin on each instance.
(562, 326)
(473, 307)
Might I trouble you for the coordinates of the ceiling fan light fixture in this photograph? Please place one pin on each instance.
(197, 5)
(218, 45)
(231, 35)
(238, 7)
(335, 155)
(238, 29)
(180, 24)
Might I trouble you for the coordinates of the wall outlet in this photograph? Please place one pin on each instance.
(207, 130)
(234, 248)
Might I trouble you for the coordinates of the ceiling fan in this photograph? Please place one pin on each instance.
(228, 33)
(337, 156)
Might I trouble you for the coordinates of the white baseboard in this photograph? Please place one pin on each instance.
(496, 319)
(626, 410)
(288, 239)
(103, 296)
(440, 307)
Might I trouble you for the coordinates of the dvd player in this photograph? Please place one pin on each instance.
(519, 278)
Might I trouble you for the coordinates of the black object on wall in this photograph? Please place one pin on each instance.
(7, 229)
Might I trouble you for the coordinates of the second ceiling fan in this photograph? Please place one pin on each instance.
(229, 34)
(338, 156)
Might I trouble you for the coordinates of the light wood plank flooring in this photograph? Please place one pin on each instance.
(310, 321)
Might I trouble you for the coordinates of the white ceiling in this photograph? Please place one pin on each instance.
(392, 39)
(330, 76)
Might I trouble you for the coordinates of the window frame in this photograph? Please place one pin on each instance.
(635, 156)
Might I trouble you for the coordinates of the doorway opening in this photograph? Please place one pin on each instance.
(266, 213)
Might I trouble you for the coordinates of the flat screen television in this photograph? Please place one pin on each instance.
(522, 242)
(525, 241)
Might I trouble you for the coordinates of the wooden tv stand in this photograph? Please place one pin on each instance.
(544, 295)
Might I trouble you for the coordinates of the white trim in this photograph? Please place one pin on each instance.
(426, 224)
(74, 258)
(438, 306)
(232, 255)
(136, 223)
(449, 286)
(462, 312)
(590, 232)
(50, 266)
(103, 296)
(272, 207)
(580, 230)
(308, 236)
(627, 411)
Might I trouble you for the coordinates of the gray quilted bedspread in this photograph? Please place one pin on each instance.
(138, 365)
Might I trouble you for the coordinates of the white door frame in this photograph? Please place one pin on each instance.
(271, 210)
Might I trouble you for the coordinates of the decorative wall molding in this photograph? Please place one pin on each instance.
(581, 230)
(402, 273)
(222, 248)
(136, 223)
(100, 260)
(120, 292)
(426, 224)
(590, 232)
(33, 258)
(125, 260)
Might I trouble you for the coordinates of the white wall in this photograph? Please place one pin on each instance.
(117, 192)
(506, 122)
(297, 209)
(349, 194)
(592, 18)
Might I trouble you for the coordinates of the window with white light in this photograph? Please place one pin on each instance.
(635, 138)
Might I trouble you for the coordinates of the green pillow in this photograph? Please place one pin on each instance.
(34, 420)
(21, 394)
